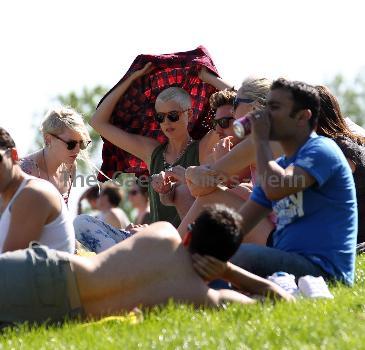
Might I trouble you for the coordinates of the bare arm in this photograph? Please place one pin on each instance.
(275, 181)
(206, 145)
(140, 146)
(241, 156)
(111, 219)
(252, 213)
(292, 179)
(213, 80)
(27, 220)
(204, 180)
(210, 268)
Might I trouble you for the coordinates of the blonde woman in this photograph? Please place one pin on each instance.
(64, 135)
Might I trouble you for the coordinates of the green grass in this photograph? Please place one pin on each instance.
(307, 324)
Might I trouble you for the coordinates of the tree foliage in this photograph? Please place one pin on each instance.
(351, 95)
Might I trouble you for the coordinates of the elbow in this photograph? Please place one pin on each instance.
(93, 123)
(272, 194)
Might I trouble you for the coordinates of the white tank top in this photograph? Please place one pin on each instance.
(58, 234)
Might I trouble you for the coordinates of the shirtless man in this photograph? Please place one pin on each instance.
(146, 269)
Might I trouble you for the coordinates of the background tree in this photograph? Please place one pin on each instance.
(351, 95)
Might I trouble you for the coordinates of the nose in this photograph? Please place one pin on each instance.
(77, 148)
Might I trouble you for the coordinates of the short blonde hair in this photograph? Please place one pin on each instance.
(256, 89)
(57, 119)
(177, 94)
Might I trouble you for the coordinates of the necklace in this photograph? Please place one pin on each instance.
(67, 177)
(168, 165)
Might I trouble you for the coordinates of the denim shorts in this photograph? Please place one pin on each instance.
(264, 261)
(37, 285)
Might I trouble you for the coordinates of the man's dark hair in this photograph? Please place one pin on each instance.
(113, 193)
(6, 140)
(222, 98)
(216, 232)
(92, 192)
(305, 96)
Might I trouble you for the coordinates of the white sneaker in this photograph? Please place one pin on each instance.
(285, 281)
(314, 287)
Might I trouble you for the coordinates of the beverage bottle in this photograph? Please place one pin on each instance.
(242, 127)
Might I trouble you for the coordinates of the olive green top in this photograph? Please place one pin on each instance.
(160, 212)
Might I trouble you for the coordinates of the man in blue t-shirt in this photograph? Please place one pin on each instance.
(310, 189)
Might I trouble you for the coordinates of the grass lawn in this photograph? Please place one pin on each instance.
(307, 324)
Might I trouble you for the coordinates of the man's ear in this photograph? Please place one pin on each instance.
(186, 239)
(303, 117)
(14, 154)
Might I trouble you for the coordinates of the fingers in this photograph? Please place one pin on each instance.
(147, 68)
(208, 267)
(201, 268)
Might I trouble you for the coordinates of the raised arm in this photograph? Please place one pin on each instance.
(292, 179)
(140, 146)
(213, 80)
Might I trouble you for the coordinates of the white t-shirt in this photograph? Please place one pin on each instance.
(58, 234)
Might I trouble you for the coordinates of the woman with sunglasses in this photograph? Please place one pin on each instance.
(65, 135)
(173, 111)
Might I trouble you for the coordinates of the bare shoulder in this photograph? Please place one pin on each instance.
(39, 193)
(206, 145)
(29, 164)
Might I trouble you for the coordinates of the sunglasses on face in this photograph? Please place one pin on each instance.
(72, 144)
(237, 101)
(222, 122)
(172, 116)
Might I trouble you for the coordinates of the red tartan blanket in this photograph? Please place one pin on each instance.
(135, 110)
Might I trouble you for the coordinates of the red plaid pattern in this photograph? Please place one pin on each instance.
(134, 112)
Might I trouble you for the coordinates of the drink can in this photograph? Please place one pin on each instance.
(242, 127)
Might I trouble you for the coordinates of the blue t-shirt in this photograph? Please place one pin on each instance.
(320, 222)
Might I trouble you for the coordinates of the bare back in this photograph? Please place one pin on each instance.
(147, 269)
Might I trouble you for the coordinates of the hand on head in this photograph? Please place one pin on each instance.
(208, 267)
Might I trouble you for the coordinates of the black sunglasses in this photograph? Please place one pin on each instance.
(237, 101)
(72, 144)
(222, 122)
(172, 116)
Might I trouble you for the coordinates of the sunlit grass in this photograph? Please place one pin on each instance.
(307, 324)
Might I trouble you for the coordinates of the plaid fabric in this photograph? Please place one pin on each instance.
(134, 112)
